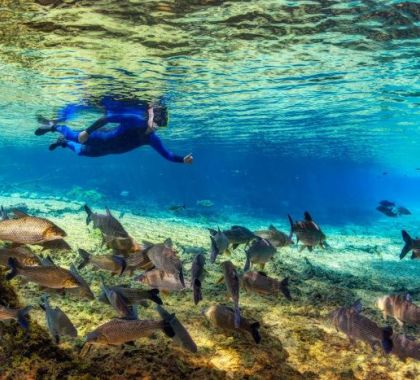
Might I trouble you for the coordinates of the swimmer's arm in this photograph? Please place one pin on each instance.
(156, 144)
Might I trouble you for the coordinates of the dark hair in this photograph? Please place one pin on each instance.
(160, 116)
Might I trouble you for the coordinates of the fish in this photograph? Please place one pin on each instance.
(400, 307)
(56, 245)
(58, 322)
(117, 301)
(164, 258)
(387, 203)
(277, 238)
(20, 315)
(181, 335)
(197, 276)
(403, 211)
(260, 251)
(232, 285)
(84, 289)
(112, 263)
(176, 208)
(106, 223)
(138, 260)
(134, 296)
(260, 283)
(308, 232)
(239, 235)
(223, 317)
(387, 211)
(405, 347)
(23, 255)
(161, 280)
(25, 229)
(53, 276)
(121, 245)
(219, 244)
(410, 245)
(120, 331)
(193, 250)
(124, 193)
(357, 327)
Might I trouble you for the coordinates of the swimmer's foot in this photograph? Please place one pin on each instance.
(45, 126)
(61, 141)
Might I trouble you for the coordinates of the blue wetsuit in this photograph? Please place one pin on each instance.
(128, 135)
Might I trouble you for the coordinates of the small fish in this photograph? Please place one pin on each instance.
(20, 315)
(277, 238)
(138, 261)
(176, 208)
(189, 249)
(107, 224)
(124, 193)
(117, 301)
(260, 251)
(161, 280)
(386, 203)
(197, 277)
(134, 296)
(58, 322)
(25, 229)
(400, 307)
(232, 285)
(239, 235)
(403, 211)
(219, 244)
(260, 283)
(308, 232)
(410, 244)
(112, 263)
(405, 347)
(204, 203)
(181, 335)
(23, 255)
(387, 211)
(223, 317)
(164, 258)
(357, 327)
(53, 277)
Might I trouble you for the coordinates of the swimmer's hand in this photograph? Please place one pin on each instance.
(83, 137)
(188, 159)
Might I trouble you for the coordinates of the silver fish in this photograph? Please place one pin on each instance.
(260, 283)
(308, 232)
(260, 251)
(401, 307)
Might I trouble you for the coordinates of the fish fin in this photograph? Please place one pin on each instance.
(154, 296)
(408, 244)
(167, 329)
(89, 214)
(284, 288)
(302, 247)
(307, 217)
(272, 228)
(13, 265)
(19, 214)
(235, 245)
(131, 344)
(85, 258)
(214, 251)
(357, 306)
(3, 214)
(262, 273)
(220, 280)
(119, 260)
(237, 320)
(108, 211)
(291, 227)
(310, 248)
(181, 277)
(255, 332)
(212, 231)
(197, 291)
(247, 263)
(168, 243)
(22, 317)
(147, 244)
(386, 341)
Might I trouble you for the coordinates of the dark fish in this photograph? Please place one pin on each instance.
(232, 285)
(165, 259)
(181, 335)
(106, 223)
(357, 327)
(405, 347)
(57, 321)
(27, 229)
(111, 263)
(387, 211)
(121, 245)
(84, 289)
(193, 250)
(20, 315)
(277, 238)
(260, 251)
(23, 255)
(134, 296)
(401, 307)
(260, 283)
(197, 277)
(46, 276)
(117, 301)
(386, 203)
(138, 261)
(176, 208)
(308, 232)
(403, 211)
(239, 235)
(410, 244)
(219, 244)
(161, 280)
(224, 317)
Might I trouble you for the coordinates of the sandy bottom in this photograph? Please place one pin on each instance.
(298, 341)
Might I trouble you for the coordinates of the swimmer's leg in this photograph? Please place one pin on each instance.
(61, 141)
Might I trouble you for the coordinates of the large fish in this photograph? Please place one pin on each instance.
(23, 255)
(106, 223)
(400, 307)
(357, 327)
(164, 258)
(157, 279)
(232, 285)
(20, 315)
(410, 244)
(239, 235)
(197, 276)
(58, 322)
(219, 244)
(405, 347)
(181, 335)
(223, 317)
(277, 238)
(52, 276)
(112, 263)
(308, 232)
(134, 296)
(25, 229)
(260, 251)
(260, 283)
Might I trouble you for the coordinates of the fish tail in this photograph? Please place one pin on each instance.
(214, 252)
(3, 214)
(181, 277)
(89, 214)
(291, 227)
(167, 329)
(408, 244)
(121, 262)
(237, 319)
(22, 317)
(14, 268)
(154, 296)
(284, 288)
(254, 329)
(386, 342)
(198, 296)
(85, 258)
(247, 263)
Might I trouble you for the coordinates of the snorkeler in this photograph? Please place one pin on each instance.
(133, 131)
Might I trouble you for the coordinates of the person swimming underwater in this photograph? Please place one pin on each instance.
(133, 131)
